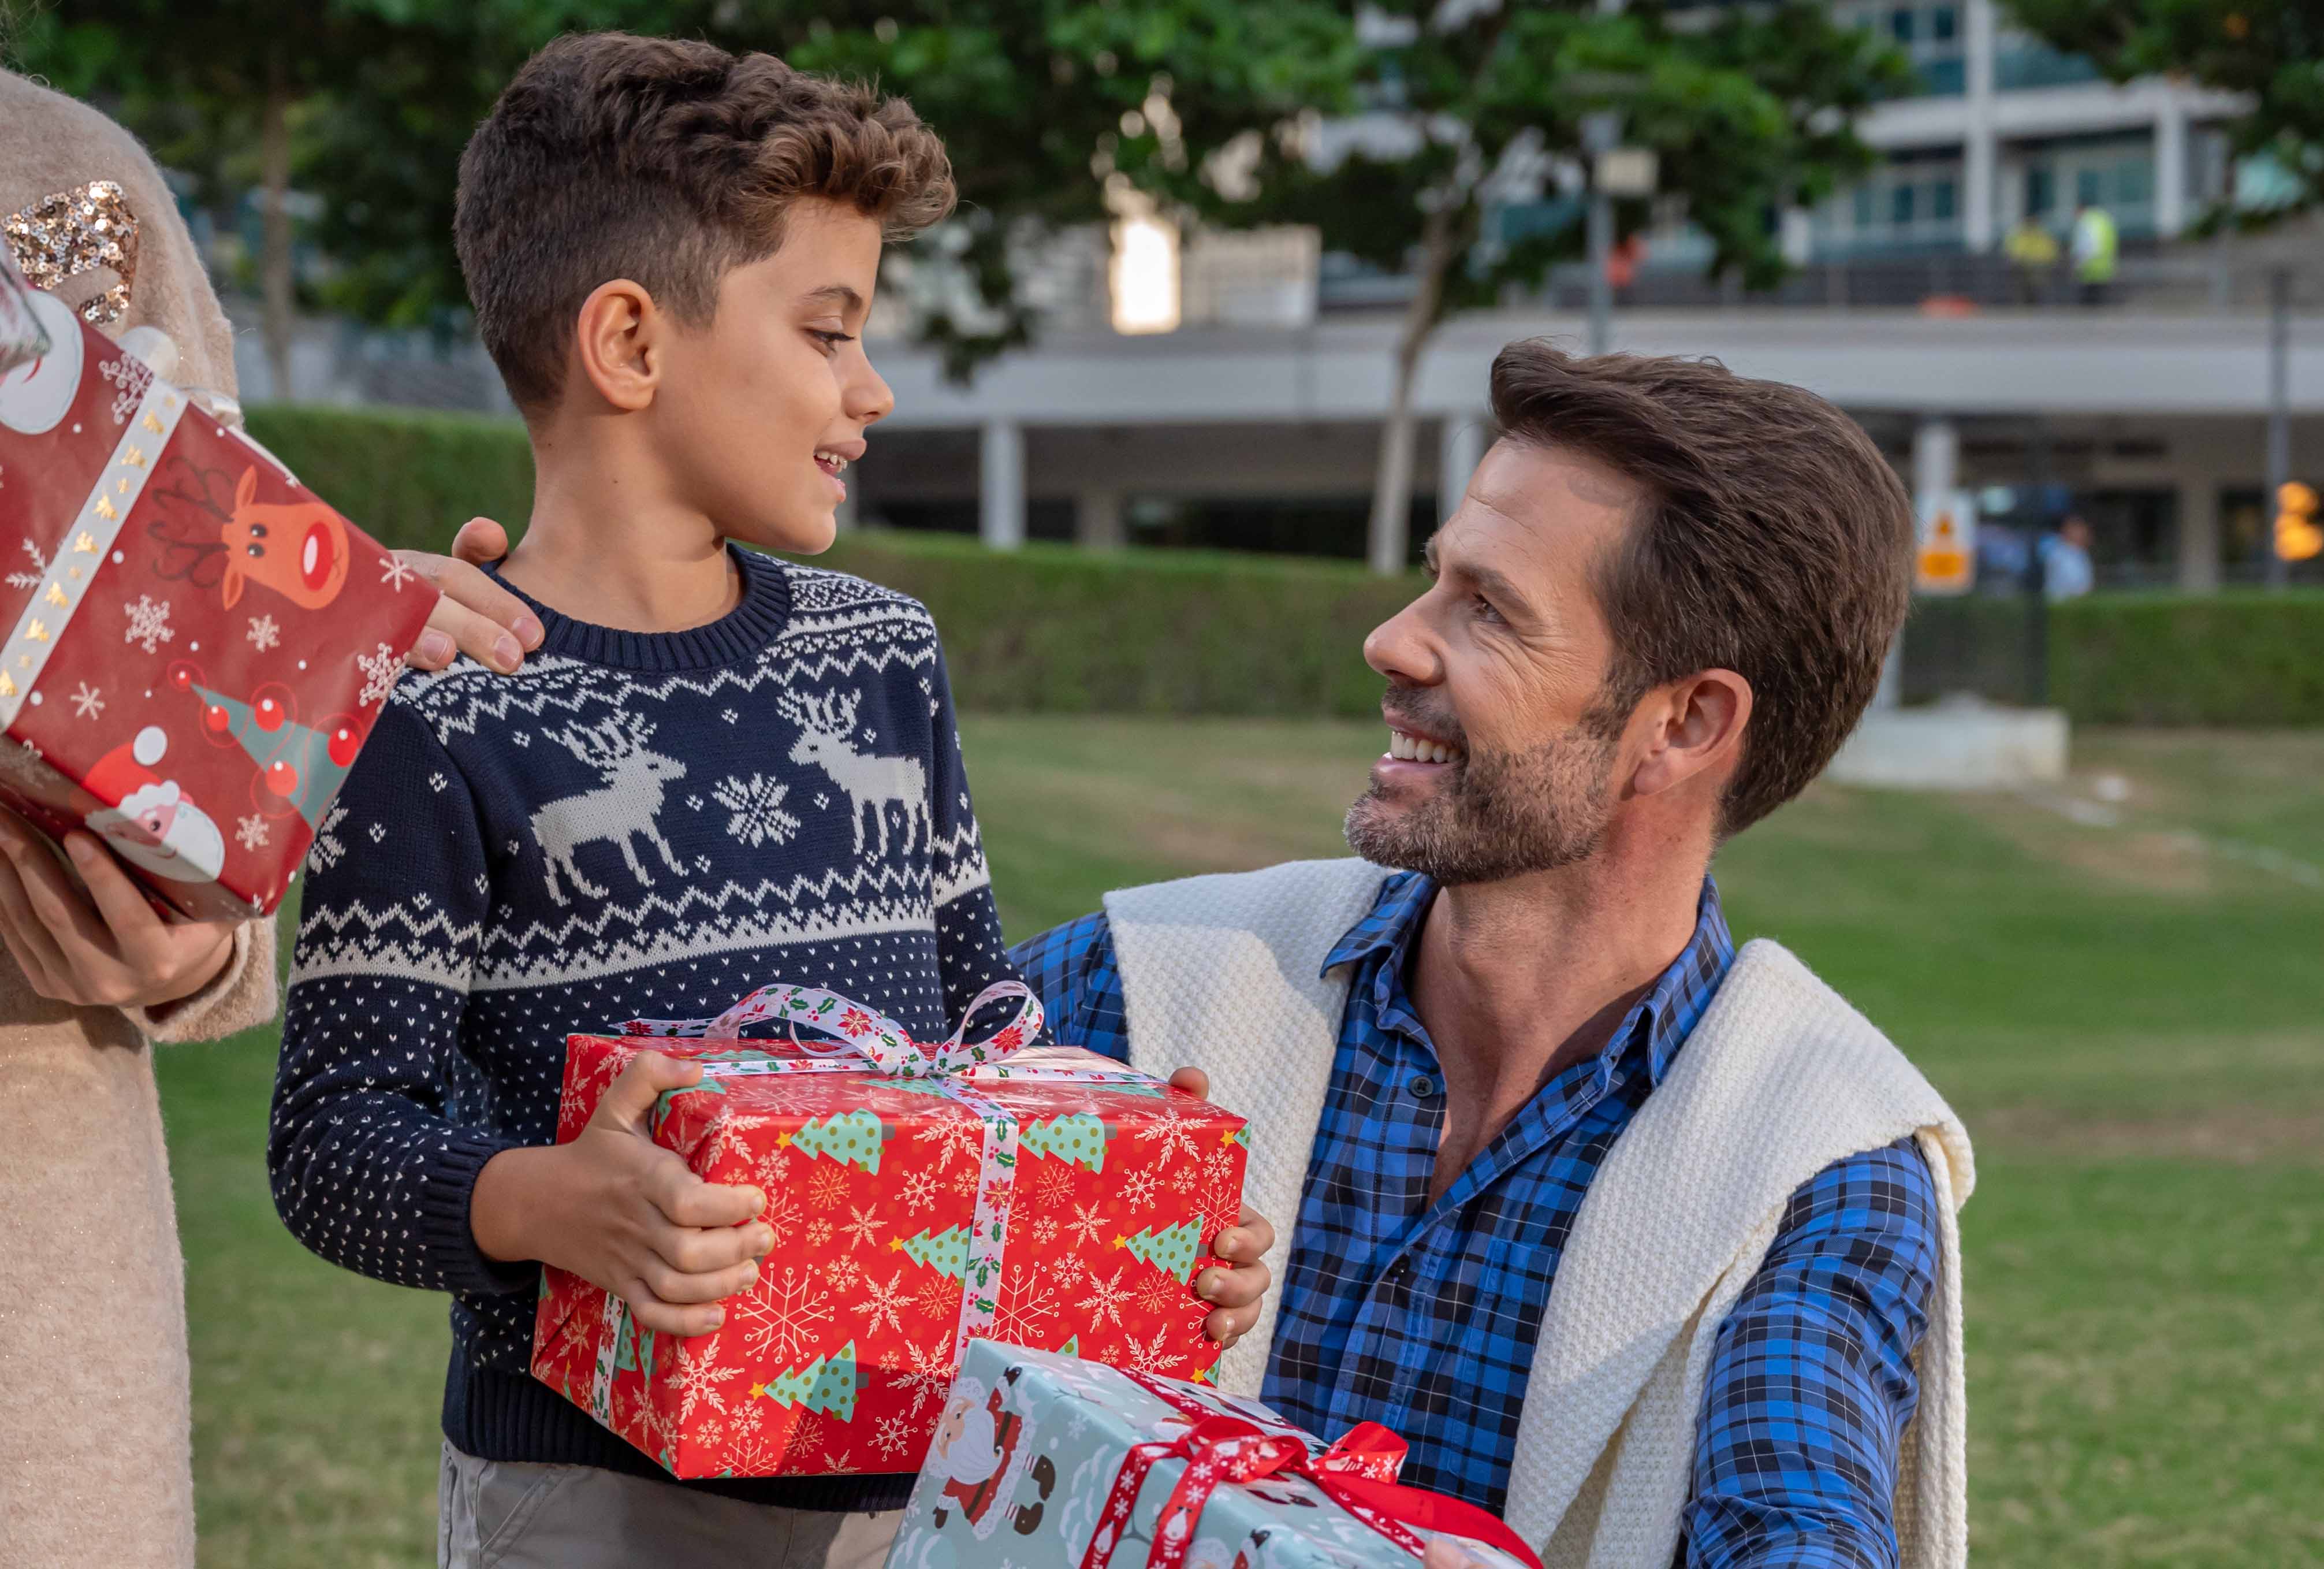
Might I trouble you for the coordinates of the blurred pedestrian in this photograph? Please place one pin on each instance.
(95, 1456)
(2065, 559)
(2033, 252)
(2096, 248)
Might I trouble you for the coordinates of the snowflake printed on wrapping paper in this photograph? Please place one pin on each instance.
(88, 701)
(149, 623)
(930, 1377)
(755, 808)
(782, 1217)
(129, 377)
(828, 1188)
(865, 1228)
(844, 1273)
(919, 1191)
(1138, 1188)
(1159, 1292)
(1087, 1224)
(818, 1235)
(1170, 1130)
(1106, 1298)
(264, 633)
(250, 832)
(1055, 1186)
(785, 1317)
(696, 1379)
(1024, 1316)
(1153, 1357)
(894, 1436)
(883, 1304)
(394, 573)
(40, 568)
(380, 669)
(1045, 1230)
(961, 1136)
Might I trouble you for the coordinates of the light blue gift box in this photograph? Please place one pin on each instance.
(1028, 1447)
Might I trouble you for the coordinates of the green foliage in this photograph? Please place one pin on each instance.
(1030, 100)
(407, 479)
(1747, 115)
(2241, 659)
(2266, 49)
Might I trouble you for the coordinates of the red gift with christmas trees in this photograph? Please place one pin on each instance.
(921, 1196)
(195, 645)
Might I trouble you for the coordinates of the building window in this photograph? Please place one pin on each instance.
(2040, 189)
(1941, 201)
(1944, 24)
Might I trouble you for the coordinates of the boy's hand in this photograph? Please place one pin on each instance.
(107, 946)
(625, 1214)
(477, 616)
(1236, 1289)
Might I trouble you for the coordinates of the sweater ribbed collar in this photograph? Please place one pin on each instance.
(740, 635)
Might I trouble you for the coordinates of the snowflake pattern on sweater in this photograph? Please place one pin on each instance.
(632, 826)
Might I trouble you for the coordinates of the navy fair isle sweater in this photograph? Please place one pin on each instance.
(634, 826)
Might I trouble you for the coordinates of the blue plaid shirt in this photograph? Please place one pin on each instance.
(1423, 1316)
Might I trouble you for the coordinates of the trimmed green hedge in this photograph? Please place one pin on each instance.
(1056, 629)
(2241, 658)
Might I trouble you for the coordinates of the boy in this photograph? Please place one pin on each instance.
(718, 771)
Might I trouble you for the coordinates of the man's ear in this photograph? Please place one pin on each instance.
(1698, 730)
(618, 340)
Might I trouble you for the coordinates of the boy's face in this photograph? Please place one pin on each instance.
(764, 407)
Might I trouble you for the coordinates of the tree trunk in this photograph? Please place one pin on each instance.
(274, 257)
(1389, 543)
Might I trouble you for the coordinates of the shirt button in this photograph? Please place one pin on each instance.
(1423, 1086)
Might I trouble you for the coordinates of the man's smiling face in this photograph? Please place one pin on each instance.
(1503, 739)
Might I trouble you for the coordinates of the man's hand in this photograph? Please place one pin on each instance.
(625, 1214)
(1443, 1553)
(105, 946)
(1237, 1289)
(477, 616)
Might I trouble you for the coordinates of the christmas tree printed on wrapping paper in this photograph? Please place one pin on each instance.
(1170, 1249)
(1078, 1136)
(827, 1384)
(852, 1138)
(944, 1251)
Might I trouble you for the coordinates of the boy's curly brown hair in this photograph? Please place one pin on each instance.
(669, 163)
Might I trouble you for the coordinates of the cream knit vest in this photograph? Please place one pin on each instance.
(1780, 1079)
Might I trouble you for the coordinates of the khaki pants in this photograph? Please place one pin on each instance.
(512, 1515)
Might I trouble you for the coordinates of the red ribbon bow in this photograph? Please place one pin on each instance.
(1358, 1474)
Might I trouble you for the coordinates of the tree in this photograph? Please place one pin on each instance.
(827, 1384)
(1076, 1136)
(1477, 106)
(850, 1138)
(1170, 1249)
(2267, 50)
(944, 1251)
(207, 89)
(1049, 109)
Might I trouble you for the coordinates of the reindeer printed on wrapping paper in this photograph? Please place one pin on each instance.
(870, 783)
(222, 537)
(628, 804)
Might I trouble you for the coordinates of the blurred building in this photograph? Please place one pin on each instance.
(1226, 390)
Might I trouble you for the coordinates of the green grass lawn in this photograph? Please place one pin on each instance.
(2129, 1016)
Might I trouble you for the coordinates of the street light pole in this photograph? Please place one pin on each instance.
(2279, 419)
(1601, 133)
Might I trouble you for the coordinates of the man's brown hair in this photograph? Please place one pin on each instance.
(669, 163)
(1772, 540)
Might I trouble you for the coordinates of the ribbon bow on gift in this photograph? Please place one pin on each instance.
(865, 1033)
(1358, 1474)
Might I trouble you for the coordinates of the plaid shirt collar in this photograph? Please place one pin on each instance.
(1655, 1027)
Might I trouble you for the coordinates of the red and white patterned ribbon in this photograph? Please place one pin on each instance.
(868, 1041)
(1358, 1474)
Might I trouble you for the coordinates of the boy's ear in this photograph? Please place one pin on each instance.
(618, 341)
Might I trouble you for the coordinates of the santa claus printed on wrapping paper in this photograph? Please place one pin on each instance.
(982, 1447)
(151, 822)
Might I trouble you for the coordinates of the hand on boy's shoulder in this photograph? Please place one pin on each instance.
(476, 616)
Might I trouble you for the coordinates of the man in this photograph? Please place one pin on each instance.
(2065, 558)
(1648, 1244)
(2095, 249)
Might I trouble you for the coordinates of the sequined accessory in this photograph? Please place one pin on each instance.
(77, 231)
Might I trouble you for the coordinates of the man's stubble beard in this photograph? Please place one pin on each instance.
(1502, 814)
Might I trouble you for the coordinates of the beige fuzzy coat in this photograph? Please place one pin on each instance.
(95, 1457)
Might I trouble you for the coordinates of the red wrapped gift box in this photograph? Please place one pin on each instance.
(904, 1221)
(196, 646)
